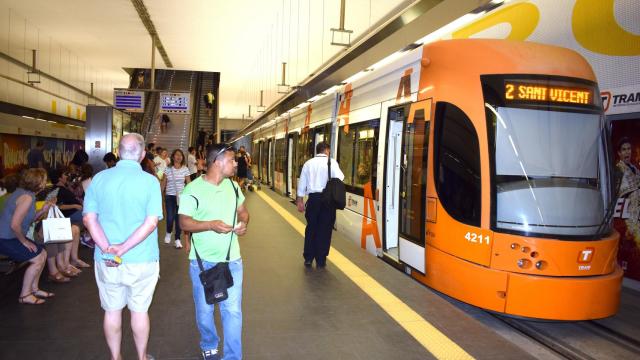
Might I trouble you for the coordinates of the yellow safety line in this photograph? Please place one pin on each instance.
(426, 334)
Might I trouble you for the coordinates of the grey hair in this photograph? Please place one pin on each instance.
(131, 147)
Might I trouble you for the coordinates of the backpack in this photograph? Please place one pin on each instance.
(334, 194)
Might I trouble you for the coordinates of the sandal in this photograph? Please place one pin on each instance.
(58, 278)
(81, 264)
(36, 301)
(70, 272)
(43, 294)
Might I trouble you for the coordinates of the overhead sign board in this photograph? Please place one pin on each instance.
(128, 100)
(175, 103)
(522, 91)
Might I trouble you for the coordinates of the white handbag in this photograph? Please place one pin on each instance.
(56, 228)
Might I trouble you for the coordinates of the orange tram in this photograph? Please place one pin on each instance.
(479, 167)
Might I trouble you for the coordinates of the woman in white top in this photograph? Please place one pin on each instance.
(161, 161)
(192, 162)
(176, 175)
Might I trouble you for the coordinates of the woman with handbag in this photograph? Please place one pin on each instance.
(63, 257)
(17, 216)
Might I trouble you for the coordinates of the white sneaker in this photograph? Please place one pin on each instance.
(178, 244)
(167, 238)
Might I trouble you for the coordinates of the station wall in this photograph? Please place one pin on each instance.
(15, 148)
(18, 36)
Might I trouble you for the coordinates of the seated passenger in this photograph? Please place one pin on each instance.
(71, 207)
(8, 185)
(15, 219)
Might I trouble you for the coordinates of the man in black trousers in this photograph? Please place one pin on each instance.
(320, 217)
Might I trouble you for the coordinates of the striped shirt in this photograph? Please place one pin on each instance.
(175, 179)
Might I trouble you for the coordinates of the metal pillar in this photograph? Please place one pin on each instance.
(153, 62)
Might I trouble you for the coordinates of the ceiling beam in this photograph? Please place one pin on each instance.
(19, 110)
(419, 19)
(50, 77)
(146, 21)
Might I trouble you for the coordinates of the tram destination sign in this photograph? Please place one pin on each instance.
(128, 100)
(532, 92)
(175, 103)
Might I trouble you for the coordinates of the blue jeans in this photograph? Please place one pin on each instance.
(230, 312)
(171, 203)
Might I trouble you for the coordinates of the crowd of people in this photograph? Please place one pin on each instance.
(194, 193)
(25, 200)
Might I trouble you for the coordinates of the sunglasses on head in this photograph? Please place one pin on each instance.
(222, 151)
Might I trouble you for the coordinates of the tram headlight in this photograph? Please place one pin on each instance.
(524, 263)
(515, 246)
(541, 264)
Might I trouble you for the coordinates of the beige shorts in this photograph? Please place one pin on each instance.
(130, 285)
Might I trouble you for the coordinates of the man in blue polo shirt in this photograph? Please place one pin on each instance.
(122, 207)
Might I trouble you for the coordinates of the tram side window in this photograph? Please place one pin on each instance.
(345, 153)
(280, 155)
(366, 150)
(302, 146)
(357, 150)
(457, 167)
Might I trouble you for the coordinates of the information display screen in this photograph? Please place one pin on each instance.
(127, 100)
(175, 102)
(521, 91)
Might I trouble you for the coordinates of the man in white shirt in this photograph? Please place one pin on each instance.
(320, 217)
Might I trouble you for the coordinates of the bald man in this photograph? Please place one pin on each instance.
(122, 207)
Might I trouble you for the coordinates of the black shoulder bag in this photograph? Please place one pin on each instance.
(334, 193)
(218, 279)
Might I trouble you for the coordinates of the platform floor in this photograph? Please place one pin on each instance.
(290, 312)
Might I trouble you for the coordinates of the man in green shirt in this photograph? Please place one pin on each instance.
(208, 207)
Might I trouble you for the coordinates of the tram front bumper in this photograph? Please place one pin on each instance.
(564, 298)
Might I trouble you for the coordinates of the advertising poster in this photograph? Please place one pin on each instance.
(626, 171)
(15, 148)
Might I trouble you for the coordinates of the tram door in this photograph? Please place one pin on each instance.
(292, 177)
(406, 183)
(263, 162)
(270, 157)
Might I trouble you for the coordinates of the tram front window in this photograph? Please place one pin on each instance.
(551, 176)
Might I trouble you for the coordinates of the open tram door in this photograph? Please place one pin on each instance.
(270, 159)
(292, 160)
(406, 183)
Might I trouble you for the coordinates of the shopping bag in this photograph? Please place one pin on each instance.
(56, 228)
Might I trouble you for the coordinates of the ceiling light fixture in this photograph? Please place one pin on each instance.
(261, 107)
(284, 87)
(33, 75)
(343, 35)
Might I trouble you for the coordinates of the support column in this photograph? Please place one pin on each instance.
(153, 62)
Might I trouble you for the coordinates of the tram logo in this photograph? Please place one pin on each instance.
(606, 99)
(586, 255)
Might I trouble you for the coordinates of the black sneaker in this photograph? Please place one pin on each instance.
(307, 263)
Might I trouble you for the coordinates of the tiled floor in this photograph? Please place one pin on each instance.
(290, 312)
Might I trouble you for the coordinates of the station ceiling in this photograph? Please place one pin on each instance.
(245, 40)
